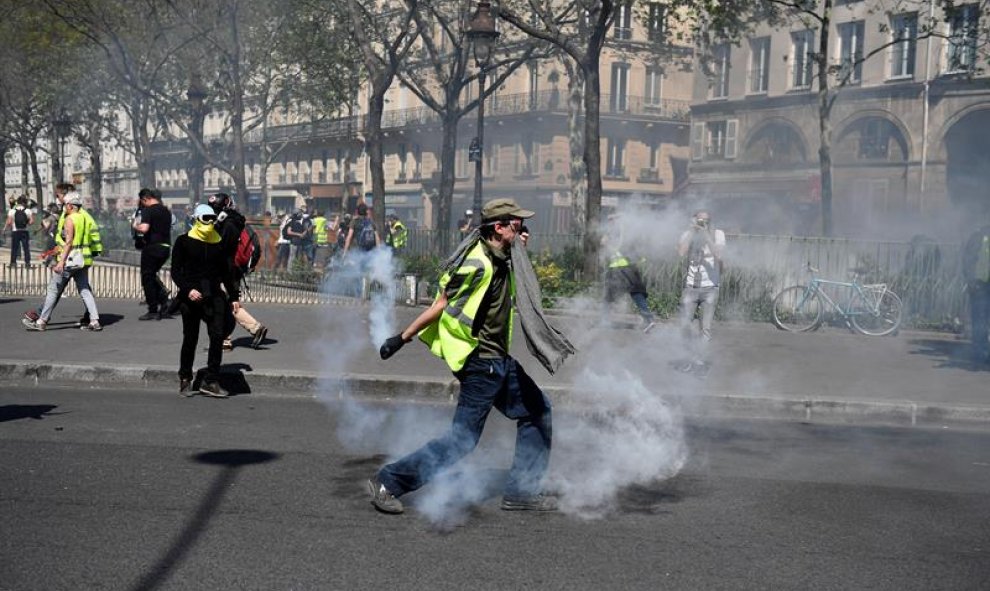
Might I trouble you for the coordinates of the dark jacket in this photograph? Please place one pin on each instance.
(204, 267)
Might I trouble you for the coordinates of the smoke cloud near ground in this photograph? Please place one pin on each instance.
(621, 424)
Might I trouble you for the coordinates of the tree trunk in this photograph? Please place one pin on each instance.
(142, 142)
(824, 120)
(575, 135)
(373, 146)
(96, 163)
(445, 196)
(56, 152)
(25, 171)
(593, 165)
(194, 162)
(39, 196)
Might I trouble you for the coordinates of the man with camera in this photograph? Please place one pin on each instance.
(701, 247)
(153, 237)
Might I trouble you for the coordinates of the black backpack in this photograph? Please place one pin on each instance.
(366, 235)
(20, 219)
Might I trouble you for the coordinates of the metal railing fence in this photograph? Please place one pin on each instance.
(926, 275)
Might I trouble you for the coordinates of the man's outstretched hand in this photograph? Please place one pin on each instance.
(391, 346)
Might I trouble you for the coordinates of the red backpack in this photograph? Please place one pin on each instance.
(248, 250)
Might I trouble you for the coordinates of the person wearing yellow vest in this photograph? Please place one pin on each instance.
(976, 269)
(321, 239)
(397, 235)
(469, 326)
(623, 276)
(73, 263)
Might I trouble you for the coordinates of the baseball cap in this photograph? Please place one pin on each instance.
(504, 208)
(72, 198)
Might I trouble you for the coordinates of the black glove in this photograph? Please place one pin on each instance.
(391, 346)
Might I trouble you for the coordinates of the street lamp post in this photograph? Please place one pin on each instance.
(63, 125)
(196, 96)
(482, 34)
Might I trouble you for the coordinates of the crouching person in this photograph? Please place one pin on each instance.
(203, 273)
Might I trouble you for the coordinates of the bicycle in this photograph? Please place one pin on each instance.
(870, 309)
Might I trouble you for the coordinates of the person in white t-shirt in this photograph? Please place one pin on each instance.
(701, 247)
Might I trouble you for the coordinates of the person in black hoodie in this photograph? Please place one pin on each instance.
(204, 275)
(230, 223)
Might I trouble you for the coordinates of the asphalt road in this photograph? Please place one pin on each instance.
(144, 490)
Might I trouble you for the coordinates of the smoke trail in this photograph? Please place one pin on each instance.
(625, 432)
(381, 275)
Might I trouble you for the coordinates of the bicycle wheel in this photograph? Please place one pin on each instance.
(797, 309)
(873, 320)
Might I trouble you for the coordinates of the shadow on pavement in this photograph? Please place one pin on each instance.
(231, 378)
(948, 354)
(16, 412)
(10, 300)
(230, 462)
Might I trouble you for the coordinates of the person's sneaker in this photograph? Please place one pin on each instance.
(259, 336)
(383, 500)
(164, 312)
(94, 326)
(185, 387)
(648, 326)
(31, 315)
(213, 389)
(228, 345)
(37, 325)
(535, 503)
(149, 316)
(83, 321)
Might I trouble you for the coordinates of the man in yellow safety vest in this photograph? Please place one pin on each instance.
(469, 325)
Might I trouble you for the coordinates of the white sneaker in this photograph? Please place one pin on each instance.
(37, 325)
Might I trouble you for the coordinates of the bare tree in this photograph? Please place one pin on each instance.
(579, 28)
(384, 38)
(437, 74)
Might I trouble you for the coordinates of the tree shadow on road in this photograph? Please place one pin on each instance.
(948, 354)
(15, 412)
(230, 461)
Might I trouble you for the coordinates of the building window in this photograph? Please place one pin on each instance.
(417, 162)
(720, 89)
(653, 92)
(904, 35)
(851, 51)
(618, 101)
(461, 163)
(656, 22)
(802, 44)
(759, 65)
(623, 21)
(714, 140)
(874, 139)
(402, 160)
(491, 159)
(534, 84)
(963, 33)
(613, 166)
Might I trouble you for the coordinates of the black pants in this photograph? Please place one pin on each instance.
(213, 312)
(153, 257)
(20, 239)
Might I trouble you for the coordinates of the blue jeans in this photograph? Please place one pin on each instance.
(485, 383)
(979, 309)
(57, 285)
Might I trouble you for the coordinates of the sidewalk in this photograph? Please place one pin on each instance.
(829, 376)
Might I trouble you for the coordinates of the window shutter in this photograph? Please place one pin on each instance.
(731, 127)
(697, 140)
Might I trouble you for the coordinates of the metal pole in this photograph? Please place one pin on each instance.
(479, 165)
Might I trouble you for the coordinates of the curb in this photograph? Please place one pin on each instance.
(437, 390)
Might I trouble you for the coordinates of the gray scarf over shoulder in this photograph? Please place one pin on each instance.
(546, 343)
